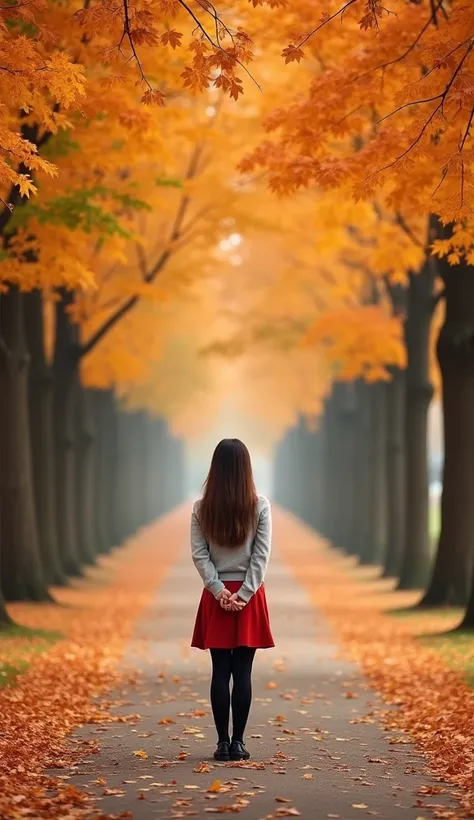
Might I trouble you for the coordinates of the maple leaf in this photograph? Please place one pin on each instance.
(154, 97)
(196, 79)
(26, 186)
(292, 54)
(172, 38)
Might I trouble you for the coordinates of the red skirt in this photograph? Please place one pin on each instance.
(215, 628)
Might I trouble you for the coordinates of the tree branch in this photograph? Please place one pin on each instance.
(150, 275)
(436, 299)
(339, 13)
(400, 220)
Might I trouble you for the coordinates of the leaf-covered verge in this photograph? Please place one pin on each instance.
(19, 646)
(58, 690)
(416, 674)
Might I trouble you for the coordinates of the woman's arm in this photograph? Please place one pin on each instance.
(202, 559)
(260, 555)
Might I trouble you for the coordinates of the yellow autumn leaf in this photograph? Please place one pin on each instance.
(141, 754)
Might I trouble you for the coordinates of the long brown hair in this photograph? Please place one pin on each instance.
(229, 504)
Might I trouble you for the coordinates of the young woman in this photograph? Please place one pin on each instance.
(231, 531)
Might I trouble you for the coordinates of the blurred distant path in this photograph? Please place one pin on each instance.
(317, 752)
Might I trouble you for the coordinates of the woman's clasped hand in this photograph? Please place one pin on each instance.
(230, 602)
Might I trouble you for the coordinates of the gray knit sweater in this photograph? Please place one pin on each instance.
(246, 563)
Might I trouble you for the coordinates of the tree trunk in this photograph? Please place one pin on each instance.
(105, 468)
(66, 384)
(334, 463)
(347, 478)
(468, 620)
(419, 392)
(451, 580)
(316, 479)
(21, 570)
(362, 487)
(42, 439)
(310, 473)
(127, 506)
(85, 477)
(5, 619)
(395, 409)
(375, 546)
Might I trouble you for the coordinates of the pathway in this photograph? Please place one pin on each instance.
(315, 749)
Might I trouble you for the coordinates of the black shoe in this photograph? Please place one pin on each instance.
(238, 751)
(223, 751)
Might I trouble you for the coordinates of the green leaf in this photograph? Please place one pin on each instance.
(59, 145)
(166, 182)
(80, 210)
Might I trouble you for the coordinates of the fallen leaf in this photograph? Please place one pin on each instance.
(166, 721)
(229, 807)
(359, 806)
(215, 787)
(202, 768)
(141, 754)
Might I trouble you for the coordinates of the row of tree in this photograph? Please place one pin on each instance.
(79, 470)
(361, 477)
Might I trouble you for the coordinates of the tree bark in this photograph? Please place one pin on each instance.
(21, 570)
(41, 399)
(334, 463)
(396, 453)
(347, 404)
(375, 546)
(86, 487)
(316, 478)
(419, 392)
(451, 579)
(127, 506)
(5, 620)
(105, 468)
(362, 487)
(310, 471)
(66, 385)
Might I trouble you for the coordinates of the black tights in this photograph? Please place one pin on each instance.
(235, 663)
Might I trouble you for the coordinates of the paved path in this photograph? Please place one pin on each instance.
(315, 748)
